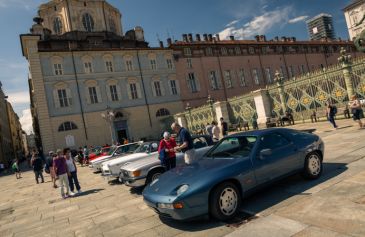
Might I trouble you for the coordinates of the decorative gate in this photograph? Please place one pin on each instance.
(243, 109)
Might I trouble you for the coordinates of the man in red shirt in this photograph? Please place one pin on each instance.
(166, 151)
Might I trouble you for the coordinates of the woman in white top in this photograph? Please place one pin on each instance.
(216, 132)
(71, 166)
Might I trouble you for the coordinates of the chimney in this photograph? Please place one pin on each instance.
(161, 44)
(257, 37)
(294, 39)
(169, 41)
(190, 38)
(262, 38)
(276, 38)
(210, 37)
(197, 36)
(231, 37)
(185, 37)
(205, 37)
(283, 38)
(217, 37)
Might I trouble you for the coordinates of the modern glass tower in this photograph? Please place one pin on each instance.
(321, 26)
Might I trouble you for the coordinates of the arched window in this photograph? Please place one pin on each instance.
(57, 25)
(162, 112)
(67, 126)
(88, 22)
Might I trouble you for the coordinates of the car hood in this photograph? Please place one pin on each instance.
(128, 157)
(142, 163)
(202, 171)
(99, 159)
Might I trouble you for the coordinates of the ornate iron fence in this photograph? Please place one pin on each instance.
(242, 109)
(198, 118)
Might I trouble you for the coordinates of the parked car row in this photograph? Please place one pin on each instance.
(225, 173)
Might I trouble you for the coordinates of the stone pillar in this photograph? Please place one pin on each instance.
(263, 105)
(280, 82)
(345, 61)
(181, 119)
(221, 111)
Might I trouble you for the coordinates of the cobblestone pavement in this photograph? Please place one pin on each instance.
(330, 206)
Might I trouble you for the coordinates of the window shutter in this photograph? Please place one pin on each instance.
(169, 86)
(177, 83)
(56, 99)
(219, 82)
(187, 82)
(153, 88)
(69, 95)
(119, 92)
(197, 84)
(87, 94)
(108, 93)
(162, 86)
(139, 90)
(129, 91)
(98, 93)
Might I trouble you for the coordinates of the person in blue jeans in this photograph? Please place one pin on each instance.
(71, 166)
(331, 113)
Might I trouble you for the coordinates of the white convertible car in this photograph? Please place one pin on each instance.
(111, 169)
(118, 152)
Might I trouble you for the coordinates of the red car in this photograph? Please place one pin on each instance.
(104, 151)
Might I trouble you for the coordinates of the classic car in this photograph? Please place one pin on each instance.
(145, 171)
(118, 152)
(111, 169)
(234, 168)
(102, 151)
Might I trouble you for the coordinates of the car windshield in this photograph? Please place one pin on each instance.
(147, 147)
(233, 147)
(130, 148)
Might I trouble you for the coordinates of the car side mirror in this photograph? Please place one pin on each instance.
(264, 153)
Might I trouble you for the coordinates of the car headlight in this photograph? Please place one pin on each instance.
(182, 189)
(153, 182)
(136, 173)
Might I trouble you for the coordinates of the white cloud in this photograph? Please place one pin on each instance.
(259, 24)
(297, 19)
(232, 23)
(18, 97)
(26, 121)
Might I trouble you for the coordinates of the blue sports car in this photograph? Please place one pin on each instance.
(235, 167)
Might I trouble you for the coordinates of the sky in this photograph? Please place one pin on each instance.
(161, 19)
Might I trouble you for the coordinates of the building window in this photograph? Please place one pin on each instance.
(189, 62)
(224, 51)
(57, 25)
(214, 80)
(109, 66)
(157, 87)
(173, 87)
(242, 77)
(268, 75)
(57, 67)
(282, 72)
(303, 69)
(113, 93)
(209, 51)
(133, 90)
(62, 98)
(112, 26)
(237, 50)
(153, 64)
(291, 71)
(170, 65)
(187, 51)
(255, 75)
(192, 82)
(251, 50)
(67, 126)
(88, 67)
(162, 112)
(88, 22)
(228, 78)
(93, 95)
(129, 65)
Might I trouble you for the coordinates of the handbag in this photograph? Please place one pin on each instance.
(162, 154)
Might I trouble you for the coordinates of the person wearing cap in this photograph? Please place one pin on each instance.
(167, 152)
(62, 173)
(49, 165)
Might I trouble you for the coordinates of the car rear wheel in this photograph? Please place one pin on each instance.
(225, 201)
(153, 175)
(313, 166)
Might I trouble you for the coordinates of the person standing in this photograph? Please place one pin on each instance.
(331, 111)
(86, 155)
(71, 166)
(166, 146)
(224, 127)
(49, 165)
(62, 173)
(209, 129)
(356, 110)
(187, 146)
(216, 132)
(15, 168)
(37, 164)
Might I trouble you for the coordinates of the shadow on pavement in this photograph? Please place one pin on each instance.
(264, 199)
(137, 191)
(88, 192)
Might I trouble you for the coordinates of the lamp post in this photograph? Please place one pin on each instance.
(190, 121)
(109, 117)
(280, 82)
(346, 62)
(210, 101)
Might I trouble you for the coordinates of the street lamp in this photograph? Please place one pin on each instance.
(188, 108)
(210, 101)
(109, 117)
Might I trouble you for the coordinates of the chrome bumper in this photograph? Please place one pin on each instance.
(137, 182)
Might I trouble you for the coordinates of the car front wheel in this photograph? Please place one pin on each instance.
(225, 201)
(153, 175)
(313, 166)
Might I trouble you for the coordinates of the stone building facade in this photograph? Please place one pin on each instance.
(227, 68)
(91, 85)
(354, 12)
(6, 151)
(16, 132)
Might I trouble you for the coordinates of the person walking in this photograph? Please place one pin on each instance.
(356, 110)
(71, 166)
(216, 132)
(37, 164)
(62, 173)
(49, 165)
(224, 127)
(166, 147)
(209, 129)
(187, 146)
(16, 170)
(331, 112)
